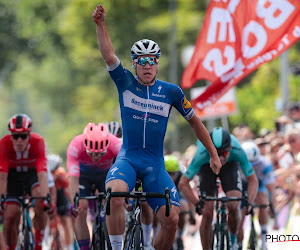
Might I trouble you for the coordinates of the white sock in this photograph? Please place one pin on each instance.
(116, 242)
(147, 234)
(70, 247)
(155, 232)
(263, 236)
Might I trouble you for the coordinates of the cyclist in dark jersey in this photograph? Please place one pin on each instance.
(232, 157)
(145, 104)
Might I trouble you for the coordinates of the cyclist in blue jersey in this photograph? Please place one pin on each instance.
(232, 156)
(145, 104)
(266, 186)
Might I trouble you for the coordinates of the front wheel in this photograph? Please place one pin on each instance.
(105, 236)
(225, 243)
(252, 239)
(137, 238)
(28, 239)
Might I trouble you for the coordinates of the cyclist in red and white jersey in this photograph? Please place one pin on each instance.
(23, 170)
(89, 157)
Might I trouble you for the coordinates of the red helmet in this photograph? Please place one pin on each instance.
(20, 123)
(96, 137)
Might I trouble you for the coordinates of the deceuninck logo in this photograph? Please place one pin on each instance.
(282, 238)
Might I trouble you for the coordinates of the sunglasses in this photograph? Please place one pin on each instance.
(93, 154)
(143, 60)
(223, 153)
(17, 136)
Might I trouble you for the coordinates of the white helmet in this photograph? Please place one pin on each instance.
(145, 47)
(115, 128)
(54, 161)
(251, 150)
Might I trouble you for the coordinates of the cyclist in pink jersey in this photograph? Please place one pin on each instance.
(89, 157)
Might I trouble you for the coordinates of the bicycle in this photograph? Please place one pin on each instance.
(26, 237)
(221, 236)
(136, 240)
(252, 241)
(100, 237)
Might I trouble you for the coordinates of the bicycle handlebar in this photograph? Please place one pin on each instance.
(224, 199)
(77, 197)
(137, 195)
(26, 200)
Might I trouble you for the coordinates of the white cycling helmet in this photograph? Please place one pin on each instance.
(252, 151)
(115, 128)
(54, 161)
(145, 47)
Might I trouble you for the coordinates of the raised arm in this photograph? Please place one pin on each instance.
(104, 42)
(203, 135)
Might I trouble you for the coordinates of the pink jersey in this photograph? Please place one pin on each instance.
(79, 161)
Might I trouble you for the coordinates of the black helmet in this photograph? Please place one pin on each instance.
(221, 138)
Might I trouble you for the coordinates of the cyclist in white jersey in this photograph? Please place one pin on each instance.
(266, 184)
(145, 104)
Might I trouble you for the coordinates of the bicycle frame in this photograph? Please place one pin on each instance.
(220, 228)
(252, 242)
(136, 241)
(26, 238)
(100, 239)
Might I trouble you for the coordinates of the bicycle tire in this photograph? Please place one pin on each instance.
(252, 243)
(95, 244)
(105, 236)
(215, 236)
(225, 243)
(56, 242)
(137, 238)
(28, 239)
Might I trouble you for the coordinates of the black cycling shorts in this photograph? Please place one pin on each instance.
(21, 183)
(229, 175)
(62, 204)
(86, 180)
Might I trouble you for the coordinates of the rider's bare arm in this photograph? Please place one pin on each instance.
(43, 181)
(185, 188)
(3, 182)
(104, 42)
(252, 187)
(73, 186)
(203, 135)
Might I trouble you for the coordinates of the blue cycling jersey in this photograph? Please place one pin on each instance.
(202, 157)
(264, 172)
(145, 110)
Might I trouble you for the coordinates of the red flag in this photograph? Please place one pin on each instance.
(236, 38)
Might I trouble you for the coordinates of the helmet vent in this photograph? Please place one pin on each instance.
(101, 144)
(91, 144)
(138, 47)
(106, 143)
(19, 121)
(86, 143)
(96, 145)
